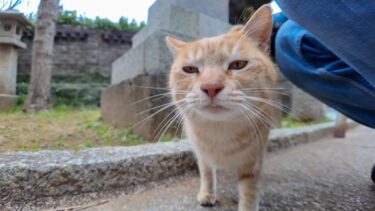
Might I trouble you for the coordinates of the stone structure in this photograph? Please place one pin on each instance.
(79, 53)
(304, 107)
(11, 25)
(81, 63)
(147, 63)
(28, 178)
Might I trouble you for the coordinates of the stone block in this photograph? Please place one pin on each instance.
(175, 19)
(8, 69)
(28, 177)
(148, 62)
(218, 9)
(181, 20)
(7, 101)
(209, 26)
(133, 103)
(129, 65)
(158, 57)
(151, 57)
(305, 107)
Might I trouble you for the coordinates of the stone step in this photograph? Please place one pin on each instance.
(28, 178)
(332, 174)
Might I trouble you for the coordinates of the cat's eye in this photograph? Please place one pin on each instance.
(190, 69)
(237, 65)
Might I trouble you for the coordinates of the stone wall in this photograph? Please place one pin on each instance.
(82, 63)
(79, 52)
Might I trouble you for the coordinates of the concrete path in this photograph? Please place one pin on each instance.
(331, 174)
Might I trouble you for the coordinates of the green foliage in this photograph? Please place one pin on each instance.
(71, 17)
(112, 137)
(289, 122)
(69, 94)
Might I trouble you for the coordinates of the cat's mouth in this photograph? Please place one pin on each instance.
(213, 108)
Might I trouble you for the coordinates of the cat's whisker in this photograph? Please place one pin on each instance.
(159, 106)
(268, 91)
(178, 126)
(280, 91)
(161, 88)
(269, 102)
(150, 97)
(187, 111)
(169, 105)
(189, 114)
(162, 122)
(259, 138)
(262, 88)
(165, 128)
(264, 117)
(268, 121)
(248, 117)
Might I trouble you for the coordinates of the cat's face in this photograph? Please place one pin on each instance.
(214, 77)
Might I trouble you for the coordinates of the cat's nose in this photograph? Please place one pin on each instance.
(212, 89)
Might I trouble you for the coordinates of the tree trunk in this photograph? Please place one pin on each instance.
(39, 93)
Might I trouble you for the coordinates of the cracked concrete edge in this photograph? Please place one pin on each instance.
(26, 176)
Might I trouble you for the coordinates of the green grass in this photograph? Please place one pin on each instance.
(61, 128)
(74, 129)
(289, 122)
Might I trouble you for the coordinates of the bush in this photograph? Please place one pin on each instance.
(70, 17)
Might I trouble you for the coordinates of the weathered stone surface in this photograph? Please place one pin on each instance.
(129, 65)
(152, 57)
(217, 9)
(331, 174)
(305, 107)
(8, 69)
(286, 138)
(119, 105)
(79, 50)
(7, 101)
(184, 21)
(27, 176)
(135, 102)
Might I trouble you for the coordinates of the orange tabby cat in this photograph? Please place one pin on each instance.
(221, 86)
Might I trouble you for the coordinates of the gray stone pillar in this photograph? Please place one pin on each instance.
(147, 63)
(11, 24)
(8, 74)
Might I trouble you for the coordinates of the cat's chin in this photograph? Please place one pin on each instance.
(215, 109)
(217, 113)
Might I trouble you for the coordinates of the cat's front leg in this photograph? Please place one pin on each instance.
(248, 185)
(207, 192)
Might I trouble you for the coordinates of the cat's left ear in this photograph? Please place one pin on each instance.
(259, 27)
(174, 44)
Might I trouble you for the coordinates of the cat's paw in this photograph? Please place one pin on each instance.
(206, 199)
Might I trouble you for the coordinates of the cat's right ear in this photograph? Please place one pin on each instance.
(259, 27)
(174, 44)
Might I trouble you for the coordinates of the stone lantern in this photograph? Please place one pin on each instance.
(11, 26)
